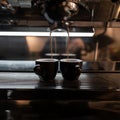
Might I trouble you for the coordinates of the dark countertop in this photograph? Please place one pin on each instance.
(90, 86)
(95, 96)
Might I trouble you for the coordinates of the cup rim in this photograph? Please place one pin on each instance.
(70, 60)
(68, 54)
(46, 60)
(53, 54)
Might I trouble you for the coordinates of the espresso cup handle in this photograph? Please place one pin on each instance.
(78, 69)
(37, 69)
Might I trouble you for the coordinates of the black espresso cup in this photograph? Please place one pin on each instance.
(46, 68)
(70, 68)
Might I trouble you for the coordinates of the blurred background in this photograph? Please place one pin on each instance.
(34, 47)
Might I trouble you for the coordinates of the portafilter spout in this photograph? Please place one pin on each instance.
(60, 10)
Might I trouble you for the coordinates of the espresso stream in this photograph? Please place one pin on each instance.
(51, 47)
(55, 44)
(67, 41)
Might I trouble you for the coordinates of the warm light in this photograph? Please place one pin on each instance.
(35, 44)
(54, 34)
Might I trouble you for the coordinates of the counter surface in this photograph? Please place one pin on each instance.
(90, 86)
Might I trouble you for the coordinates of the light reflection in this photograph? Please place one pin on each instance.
(22, 102)
(47, 34)
(36, 44)
(58, 87)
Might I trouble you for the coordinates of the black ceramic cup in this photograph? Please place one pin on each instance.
(70, 68)
(46, 68)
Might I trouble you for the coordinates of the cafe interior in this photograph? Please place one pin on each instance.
(59, 59)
